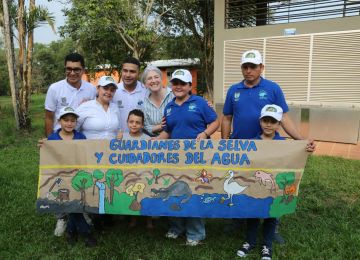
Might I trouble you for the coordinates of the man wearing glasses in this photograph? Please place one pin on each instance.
(69, 92)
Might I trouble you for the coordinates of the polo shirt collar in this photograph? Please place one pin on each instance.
(72, 88)
(242, 84)
(191, 98)
(137, 89)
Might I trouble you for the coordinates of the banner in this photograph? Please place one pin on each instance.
(206, 178)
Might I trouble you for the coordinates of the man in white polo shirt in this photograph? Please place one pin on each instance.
(70, 92)
(131, 92)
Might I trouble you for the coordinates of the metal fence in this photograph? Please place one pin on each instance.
(249, 13)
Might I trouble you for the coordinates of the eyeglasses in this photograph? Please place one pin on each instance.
(249, 66)
(75, 70)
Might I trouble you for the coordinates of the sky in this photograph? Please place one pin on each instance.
(44, 33)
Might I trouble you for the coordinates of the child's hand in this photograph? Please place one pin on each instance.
(40, 142)
(310, 146)
(119, 135)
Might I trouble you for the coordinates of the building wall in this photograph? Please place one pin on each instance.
(222, 34)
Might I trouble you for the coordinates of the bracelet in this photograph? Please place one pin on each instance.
(207, 136)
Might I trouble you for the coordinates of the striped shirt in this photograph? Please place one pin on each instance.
(154, 114)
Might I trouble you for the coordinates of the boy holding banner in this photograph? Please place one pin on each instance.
(187, 117)
(76, 224)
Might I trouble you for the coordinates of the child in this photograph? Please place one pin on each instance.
(76, 222)
(135, 124)
(270, 119)
(187, 117)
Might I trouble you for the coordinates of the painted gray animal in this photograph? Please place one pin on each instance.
(177, 189)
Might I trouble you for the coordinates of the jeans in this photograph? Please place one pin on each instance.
(77, 224)
(269, 226)
(194, 228)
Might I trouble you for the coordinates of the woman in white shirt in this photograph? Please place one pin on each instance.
(99, 118)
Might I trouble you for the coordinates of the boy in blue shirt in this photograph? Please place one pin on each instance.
(187, 117)
(270, 119)
(76, 224)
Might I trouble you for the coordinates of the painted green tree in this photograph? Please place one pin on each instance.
(114, 178)
(80, 182)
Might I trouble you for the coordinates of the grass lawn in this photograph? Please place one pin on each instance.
(325, 226)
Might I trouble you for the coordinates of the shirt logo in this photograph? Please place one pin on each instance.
(237, 96)
(120, 104)
(64, 103)
(140, 103)
(192, 107)
(168, 112)
(262, 94)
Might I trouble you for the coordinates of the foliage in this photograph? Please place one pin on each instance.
(109, 32)
(81, 181)
(195, 21)
(48, 63)
(285, 178)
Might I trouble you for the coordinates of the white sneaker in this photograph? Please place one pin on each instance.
(190, 242)
(60, 227)
(171, 235)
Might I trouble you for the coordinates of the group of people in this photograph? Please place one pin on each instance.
(254, 109)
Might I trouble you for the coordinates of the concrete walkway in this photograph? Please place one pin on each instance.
(347, 151)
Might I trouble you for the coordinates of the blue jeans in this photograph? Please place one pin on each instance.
(194, 228)
(269, 226)
(77, 224)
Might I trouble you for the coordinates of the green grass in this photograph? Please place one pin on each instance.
(326, 224)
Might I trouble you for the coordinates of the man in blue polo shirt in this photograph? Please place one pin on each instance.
(245, 100)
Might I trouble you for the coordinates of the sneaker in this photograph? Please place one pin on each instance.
(190, 242)
(265, 253)
(171, 235)
(60, 227)
(244, 250)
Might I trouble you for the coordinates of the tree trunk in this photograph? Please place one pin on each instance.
(10, 57)
(24, 119)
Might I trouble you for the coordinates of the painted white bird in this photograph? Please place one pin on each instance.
(232, 188)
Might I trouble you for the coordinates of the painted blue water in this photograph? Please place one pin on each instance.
(209, 206)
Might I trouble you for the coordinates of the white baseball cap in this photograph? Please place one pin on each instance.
(106, 80)
(252, 56)
(183, 75)
(67, 110)
(273, 111)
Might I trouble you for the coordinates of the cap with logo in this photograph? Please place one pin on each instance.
(107, 80)
(273, 111)
(67, 110)
(252, 56)
(183, 75)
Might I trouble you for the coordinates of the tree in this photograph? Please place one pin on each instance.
(25, 22)
(195, 18)
(113, 178)
(112, 31)
(80, 182)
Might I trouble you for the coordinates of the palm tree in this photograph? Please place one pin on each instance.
(25, 22)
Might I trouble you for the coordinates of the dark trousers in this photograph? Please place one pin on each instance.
(268, 231)
(77, 224)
